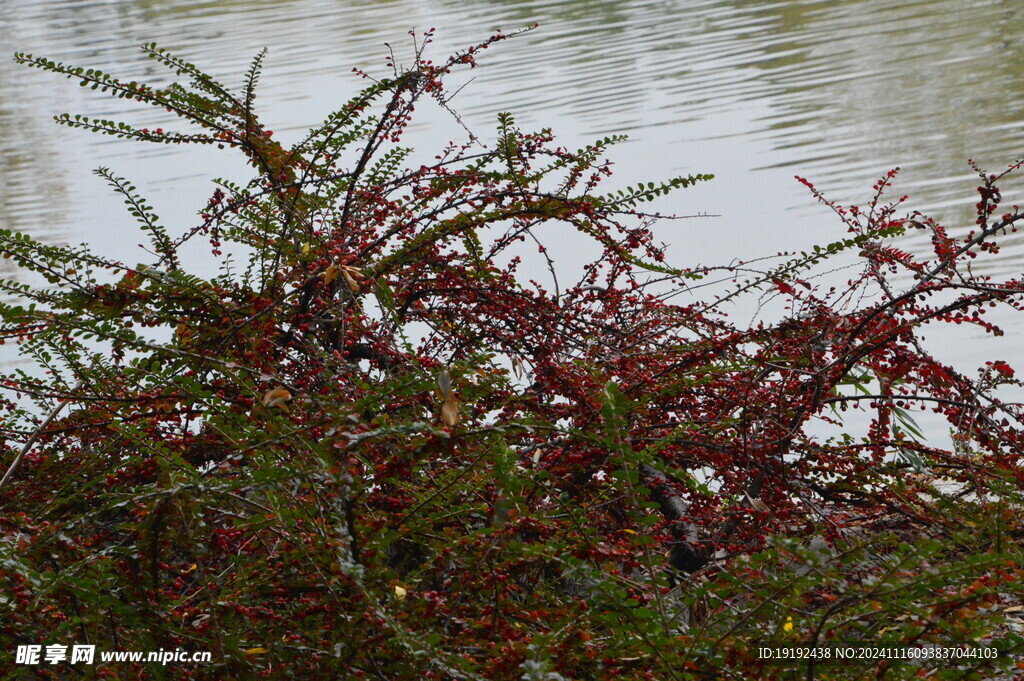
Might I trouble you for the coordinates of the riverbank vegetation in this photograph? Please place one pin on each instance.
(367, 445)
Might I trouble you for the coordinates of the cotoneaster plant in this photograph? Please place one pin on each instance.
(368, 447)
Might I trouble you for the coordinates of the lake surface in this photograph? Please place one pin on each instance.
(754, 92)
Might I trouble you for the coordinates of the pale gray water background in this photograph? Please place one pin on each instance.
(754, 92)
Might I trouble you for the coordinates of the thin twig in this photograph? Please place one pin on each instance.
(35, 436)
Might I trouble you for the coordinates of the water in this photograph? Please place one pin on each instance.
(755, 92)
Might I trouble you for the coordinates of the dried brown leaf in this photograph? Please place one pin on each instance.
(450, 410)
(276, 397)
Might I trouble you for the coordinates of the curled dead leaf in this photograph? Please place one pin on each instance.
(449, 404)
(276, 397)
(350, 279)
(351, 275)
(518, 370)
(444, 383)
(450, 410)
(757, 504)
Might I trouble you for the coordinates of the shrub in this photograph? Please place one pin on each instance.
(366, 447)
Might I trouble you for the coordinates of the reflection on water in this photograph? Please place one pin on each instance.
(838, 91)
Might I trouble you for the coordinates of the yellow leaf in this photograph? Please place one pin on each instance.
(255, 651)
(353, 285)
(331, 273)
(400, 593)
(788, 626)
(191, 568)
(276, 397)
(450, 410)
